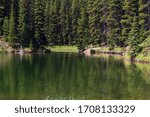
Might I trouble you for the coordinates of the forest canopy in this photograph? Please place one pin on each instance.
(111, 23)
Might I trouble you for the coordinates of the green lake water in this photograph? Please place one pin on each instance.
(72, 76)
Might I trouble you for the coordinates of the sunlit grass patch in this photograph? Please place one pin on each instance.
(63, 48)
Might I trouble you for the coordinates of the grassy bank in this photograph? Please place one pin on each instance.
(123, 52)
(143, 58)
(106, 50)
(63, 48)
(73, 49)
(117, 49)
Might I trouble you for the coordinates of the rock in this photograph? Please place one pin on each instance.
(10, 50)
(87, 52)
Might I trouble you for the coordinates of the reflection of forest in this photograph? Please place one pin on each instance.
(70, 76)
(139, 78)
(145, 69)
(4, 59)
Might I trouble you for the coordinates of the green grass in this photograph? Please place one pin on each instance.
(1, 49)
(117, 49)
(56, 49)
(63, 48)
(107, 49)
(141, 57)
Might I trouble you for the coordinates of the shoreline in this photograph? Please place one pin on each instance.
(117, 52)
(46, 49)
(87, 52)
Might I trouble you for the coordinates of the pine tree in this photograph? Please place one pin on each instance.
(31, 22)
(22, 21)
(1, 16)
(16, 13)
(64, 14)
(98, 12)
(63, 21)
(144, 19)
(47, 21)
(94, 20)
(83, 25)
(69, 23)
(133, 39)
(113, 22)
(12, 37)
(39, 22)
(55, 25)
(75, 15)
(6, 28)
(25, 25)
(130, 9)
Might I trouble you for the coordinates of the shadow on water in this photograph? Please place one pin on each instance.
(71, 76)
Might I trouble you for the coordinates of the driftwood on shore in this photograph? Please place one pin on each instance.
(91, 51)
(112, 52)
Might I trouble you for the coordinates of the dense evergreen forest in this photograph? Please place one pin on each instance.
(113, 23)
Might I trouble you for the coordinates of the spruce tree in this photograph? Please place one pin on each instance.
(144, 19)
(64, 14)
(16, 13)
(22, 28)
(94, 20)
(130, 9)
(98, 12)
(69, 22)
(133, 39)
(55, 25)
(39, 20)
(12, 37)
(113, 22)
(6, 28)
(47, 21)
(75, 15)
(25, 25)
(31, 22)
(1, 16)
(83, 25)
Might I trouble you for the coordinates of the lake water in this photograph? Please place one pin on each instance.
(72, 76)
